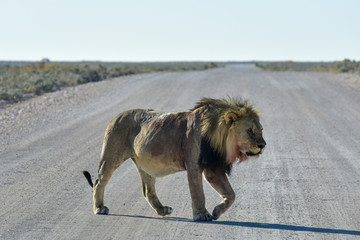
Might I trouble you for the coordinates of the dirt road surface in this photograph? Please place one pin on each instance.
(306, 185)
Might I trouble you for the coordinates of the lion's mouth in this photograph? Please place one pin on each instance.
(243, 156)
(250, 154)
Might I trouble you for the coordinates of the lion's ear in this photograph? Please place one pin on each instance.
(230, 117)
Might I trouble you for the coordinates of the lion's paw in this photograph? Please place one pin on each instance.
(165, 211)
(203, 217)
(101, 210)
(216, 213)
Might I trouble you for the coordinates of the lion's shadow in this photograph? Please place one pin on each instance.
(252, 225)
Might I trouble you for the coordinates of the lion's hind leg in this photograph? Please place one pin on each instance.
(219, 181)
(148, 190)
(106, 169)
(104, 175)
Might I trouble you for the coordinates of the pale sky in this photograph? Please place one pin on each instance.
(186, 30)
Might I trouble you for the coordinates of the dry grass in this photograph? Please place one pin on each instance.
(345, 66)
(20, 80)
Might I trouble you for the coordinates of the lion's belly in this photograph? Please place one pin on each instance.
(159, 166)
(159, 157)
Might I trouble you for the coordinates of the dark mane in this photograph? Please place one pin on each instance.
(211, 159)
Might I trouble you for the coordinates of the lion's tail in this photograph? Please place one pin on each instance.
(88, 178)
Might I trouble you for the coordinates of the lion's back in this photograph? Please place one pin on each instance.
(123, 129)
(133, 118)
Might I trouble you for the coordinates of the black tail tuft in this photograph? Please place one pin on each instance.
(88, 178)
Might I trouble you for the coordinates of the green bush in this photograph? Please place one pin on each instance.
(346, 66)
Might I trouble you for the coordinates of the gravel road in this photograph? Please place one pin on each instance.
(304, 186)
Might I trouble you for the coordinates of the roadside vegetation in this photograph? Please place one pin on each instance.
(19, 80)
(345, 66)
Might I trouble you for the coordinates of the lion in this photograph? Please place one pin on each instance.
(207, 140)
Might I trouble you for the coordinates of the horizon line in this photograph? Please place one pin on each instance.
(164, 61)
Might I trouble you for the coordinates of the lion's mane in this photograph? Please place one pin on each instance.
(215, 127)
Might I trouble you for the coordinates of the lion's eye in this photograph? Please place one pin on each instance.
(250, 130)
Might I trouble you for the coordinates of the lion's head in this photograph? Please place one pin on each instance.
(232, 129)
(244, 137)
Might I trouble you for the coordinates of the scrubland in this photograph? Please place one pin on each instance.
(19, 81)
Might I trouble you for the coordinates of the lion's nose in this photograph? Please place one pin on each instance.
(261, 146)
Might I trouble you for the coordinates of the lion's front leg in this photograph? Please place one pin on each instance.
(197, 195)
(219, 181)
